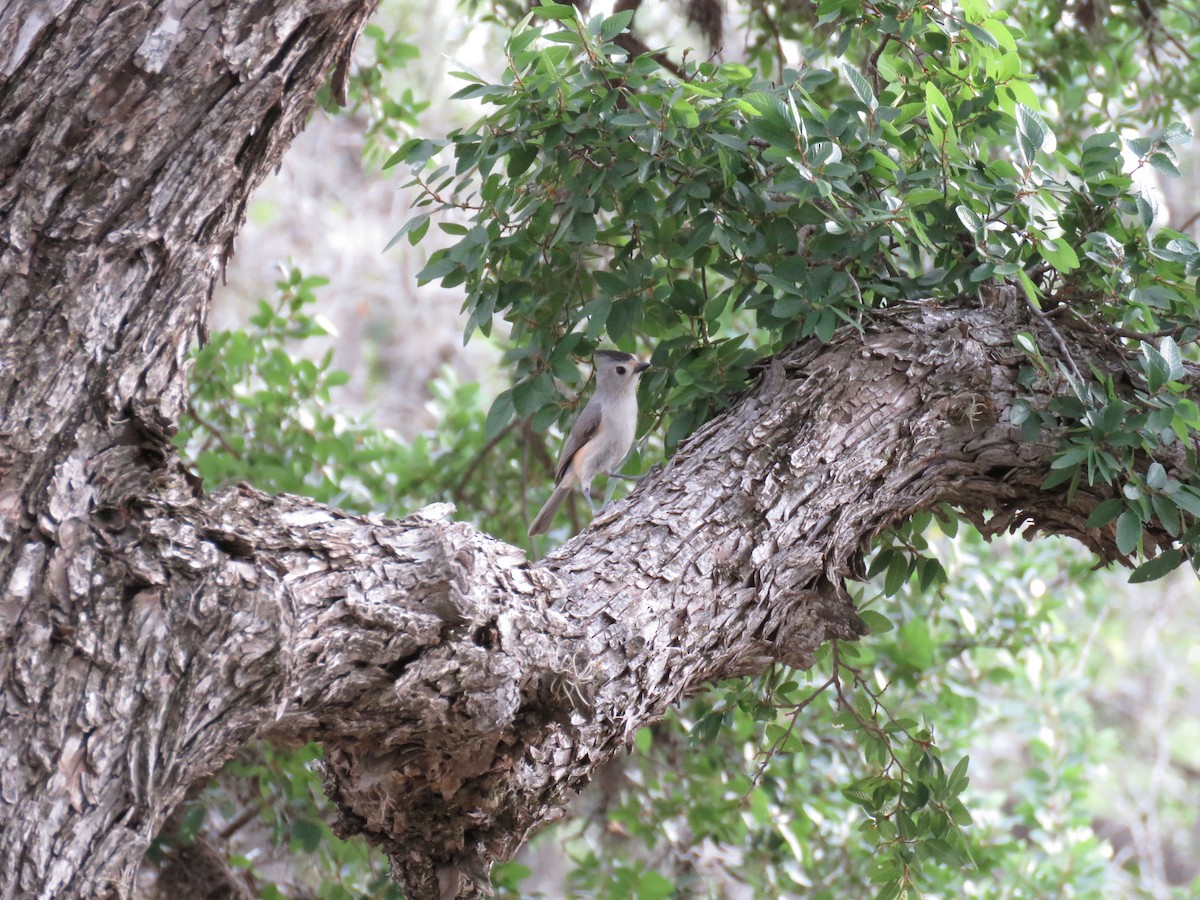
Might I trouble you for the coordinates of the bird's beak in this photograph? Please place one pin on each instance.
(640, 368)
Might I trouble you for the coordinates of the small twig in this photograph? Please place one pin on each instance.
(247, 816)
(780, 55)
(1041, 316)
(782, 739)
(1190, 221)
(480, 456)
(873, 65)
(217, 434)
(635, 46)
(1079, 322)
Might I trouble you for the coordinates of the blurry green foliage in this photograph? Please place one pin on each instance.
(373, 91)
(261, 412)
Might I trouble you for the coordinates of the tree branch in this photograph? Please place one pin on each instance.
(463, 695)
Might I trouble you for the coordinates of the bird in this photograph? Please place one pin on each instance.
(600, 439)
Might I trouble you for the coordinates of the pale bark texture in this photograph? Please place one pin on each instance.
(131, 135)
(461, 693)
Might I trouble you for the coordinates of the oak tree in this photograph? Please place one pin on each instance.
(878, 285)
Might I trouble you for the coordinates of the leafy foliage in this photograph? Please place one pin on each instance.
(262, 412)
(721, 217)
(829, 783)
(390, 112)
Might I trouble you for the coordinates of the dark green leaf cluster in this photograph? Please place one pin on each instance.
(719, 217)
(1110, 438)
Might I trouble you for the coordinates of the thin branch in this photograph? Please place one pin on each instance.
(1190, 221)
(247, 816)
(635, 46)
(778, 743)
(480, 457)
(1079, 322)
(1046, 321)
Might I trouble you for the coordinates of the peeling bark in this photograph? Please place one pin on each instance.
(461, 693)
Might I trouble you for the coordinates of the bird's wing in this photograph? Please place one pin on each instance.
(582, 431)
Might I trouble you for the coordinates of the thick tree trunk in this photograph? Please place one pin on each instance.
(131, 135)
(461, 693)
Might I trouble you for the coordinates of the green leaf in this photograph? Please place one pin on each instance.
(1177, 133)
(653, 886)
(1129, 532)
(499, 415)
(615, 24)
(897, 574)
(416, 152)
(1164, 164)
(1032, 133)
(883, 559)
(1156, 476)
(520, 159)
(307, 834)
(970, 220)
(1059, 254)
(1187, 500)
(415, 228)
(554, 11)
(922, 196)
(707, 727)
(938, 112)
(685, 113)
(1169, 351)
(1158, 371)
(958, 780)
(1167, 512)
(1072, 456)
(1188, 412)
(192, 822)
(877, 622)
(509, 874)
(1156, 568)
(1031, 289)
(1105, 512)
(983, 36)
(860, 86)
(1004, 37)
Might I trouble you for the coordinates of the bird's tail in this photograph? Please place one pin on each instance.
(541, 523)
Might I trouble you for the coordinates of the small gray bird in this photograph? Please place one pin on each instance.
(601, 437)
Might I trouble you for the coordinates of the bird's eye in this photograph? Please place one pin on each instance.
(620, 370)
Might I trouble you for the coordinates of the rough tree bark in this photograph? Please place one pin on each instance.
(461, 693)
